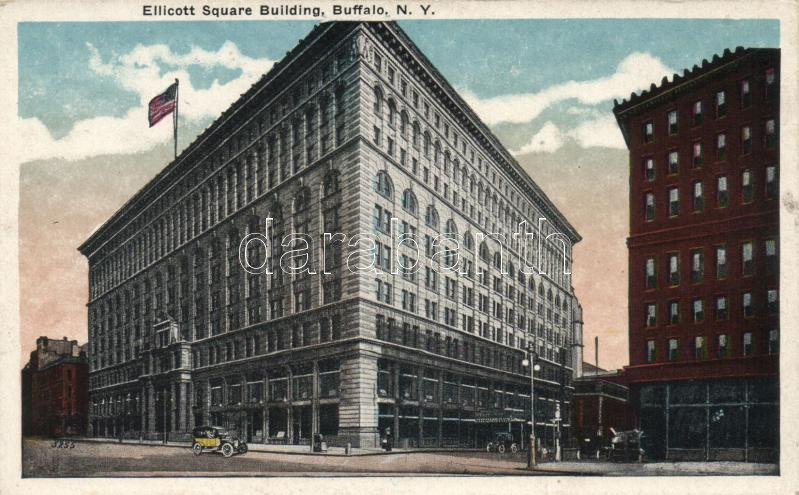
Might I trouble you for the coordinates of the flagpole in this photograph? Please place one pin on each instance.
(175, 115)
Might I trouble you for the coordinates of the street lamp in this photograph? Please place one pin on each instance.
(531, 362)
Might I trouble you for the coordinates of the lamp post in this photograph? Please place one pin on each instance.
(531, 362)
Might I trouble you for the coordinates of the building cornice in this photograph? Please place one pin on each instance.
(396, 38)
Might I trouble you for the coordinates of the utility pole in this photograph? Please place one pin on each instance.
(530, 361)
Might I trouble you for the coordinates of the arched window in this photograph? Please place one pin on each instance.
(331, 184)
(498, 260)
(521, 278)
(383, 185)
(549, 295)
(378, 107)
(416, 133)
(468, 240)
(392, 111)
(409, 203)
(541, 290)
(403, 122)
(485, 255)
(436, 152)
(427, 144)
(450, 227)
(431, 217)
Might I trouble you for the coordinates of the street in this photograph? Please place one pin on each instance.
(104, 459)
(40, 459)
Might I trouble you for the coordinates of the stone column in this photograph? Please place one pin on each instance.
(150, 408)
(182, 407)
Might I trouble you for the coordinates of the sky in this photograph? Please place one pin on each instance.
(544, 87)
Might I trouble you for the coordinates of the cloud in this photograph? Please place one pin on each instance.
(636, 71)
(146, 71)
(547, 140)
(599, 132)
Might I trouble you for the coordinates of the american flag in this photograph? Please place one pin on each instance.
(163, 104)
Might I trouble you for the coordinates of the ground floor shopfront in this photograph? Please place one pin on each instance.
(354, 392)
(710, 420)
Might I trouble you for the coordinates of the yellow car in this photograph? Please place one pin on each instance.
(216, 439)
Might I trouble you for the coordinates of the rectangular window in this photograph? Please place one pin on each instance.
(773, 342)
(649, 206)
(771, 301)
(722, 198)
(746, 140)
(650, 351)
(674, 269)
(771, 181)
(697, 154)
(697, 266)
(651, 315)
(674, 202)
(721, 146)
(746, 304)
(672, 120)
(649, 131)
(674, 349)
(722, 345)
(721, 104)
(721, 262)
(721, 308)
(674, 162)
(771, 83)
(651, 273)
(700, 348)
(771, 256)
(649, 169)
(747, 259)
(747, 190)
(699, 310)
(747, 348)
(697, 113)
(377, 135)
(674, 312)
(699, 198)
(771, 134)
(746, 95)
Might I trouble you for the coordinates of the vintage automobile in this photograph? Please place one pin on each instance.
(625, 446)
(216, 439)
(502, 443)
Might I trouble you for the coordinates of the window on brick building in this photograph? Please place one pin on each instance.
(650, 351)
(674, 349)
(747, 190)
(696, 157)
(649, 206)
(722, 197)
(649, 169)
(649, 131)
(721, 104)
(674, 162)
(747, 259)
(722, 345)
(674, 268)
(674, 202)
(651, 273)
(746, 304)
(721, 146)
(672, 121)
(674, 312)
(699, 197)
(746, 140)
(697, 113)
(700, 347)
(771, 134)
(746, 94)
(747, 345)
(651, 315)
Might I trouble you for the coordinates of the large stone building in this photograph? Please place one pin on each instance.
(703, 266)
(55, 389)
(353, 132)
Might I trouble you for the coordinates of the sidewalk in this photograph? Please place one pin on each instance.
(718, 468)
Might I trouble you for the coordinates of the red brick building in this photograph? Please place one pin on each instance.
(703, 261)
(55, 397)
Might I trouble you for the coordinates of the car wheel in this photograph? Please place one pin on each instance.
(243, 448)
(514, 448)
(197, 449)
(489, 447)
(227, 450)
(501, 448)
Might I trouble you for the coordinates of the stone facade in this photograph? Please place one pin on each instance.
(354, 132)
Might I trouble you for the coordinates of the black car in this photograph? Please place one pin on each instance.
(502, 443)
